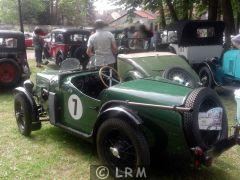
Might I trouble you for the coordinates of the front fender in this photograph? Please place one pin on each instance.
(32, 102)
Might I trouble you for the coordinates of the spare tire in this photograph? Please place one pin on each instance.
(10, 73)
(200, 129)
(180, 75)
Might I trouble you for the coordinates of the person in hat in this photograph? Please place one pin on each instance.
(102, 46)
(38, 45)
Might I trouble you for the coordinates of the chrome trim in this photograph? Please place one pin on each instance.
(164, 107)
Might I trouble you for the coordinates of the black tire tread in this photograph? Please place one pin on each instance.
(26, 107)
(140, 141)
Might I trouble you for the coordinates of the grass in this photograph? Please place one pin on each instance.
(53, 154)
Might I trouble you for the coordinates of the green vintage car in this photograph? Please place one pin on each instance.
(126, 120)
(152, 64)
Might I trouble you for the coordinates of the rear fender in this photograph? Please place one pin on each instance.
(117, 112)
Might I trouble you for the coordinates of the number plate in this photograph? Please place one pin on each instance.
(210, 120)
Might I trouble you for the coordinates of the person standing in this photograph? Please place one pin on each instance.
(102, 46)
(38, 45)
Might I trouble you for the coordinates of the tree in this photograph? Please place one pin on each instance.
(228, 19)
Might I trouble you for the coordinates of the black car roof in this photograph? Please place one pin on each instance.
(65, 30)
(11, 33)
(186, 31)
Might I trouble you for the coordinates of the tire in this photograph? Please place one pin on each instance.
(59, 59)
(202, 100)
(120, 134)
(23, 114)
(184, 77)
(206, 78)
(10, 73)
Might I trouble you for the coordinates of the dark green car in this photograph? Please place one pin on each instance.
(126, 120)
(157, 64)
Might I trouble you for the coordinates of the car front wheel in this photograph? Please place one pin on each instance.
(206, 77)
(120, 145)
(22, 114)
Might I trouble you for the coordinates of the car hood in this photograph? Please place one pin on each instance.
(160, 92)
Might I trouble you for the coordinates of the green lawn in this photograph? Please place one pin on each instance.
(53, 154)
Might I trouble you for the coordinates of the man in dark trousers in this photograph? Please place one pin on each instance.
(38, 45)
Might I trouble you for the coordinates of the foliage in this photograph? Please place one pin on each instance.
(66, 12)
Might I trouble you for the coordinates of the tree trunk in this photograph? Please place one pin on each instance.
(219, 11)
(237, 22)
(185, 9)
(229, 20)
(162, 15)
(172, 10)
(190, 11)
(212, 9)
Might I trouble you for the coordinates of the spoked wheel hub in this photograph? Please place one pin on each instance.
(119, 150)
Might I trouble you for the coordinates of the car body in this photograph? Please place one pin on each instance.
(197, 40)
(66, 43)
(128, 119)
(152, 64)
(222, 72)
(28, 39)
(13, 60)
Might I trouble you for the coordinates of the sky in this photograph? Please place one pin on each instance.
(104, 5)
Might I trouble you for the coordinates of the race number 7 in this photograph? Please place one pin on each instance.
(75, 107)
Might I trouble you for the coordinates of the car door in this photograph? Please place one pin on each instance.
(79, 110)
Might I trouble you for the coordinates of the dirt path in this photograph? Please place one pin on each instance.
(30, 54)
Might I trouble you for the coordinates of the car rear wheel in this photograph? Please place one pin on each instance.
(206, 77)
(206, 124)
(120, 145)
(180, 75)
(9, 73)
(22, 114)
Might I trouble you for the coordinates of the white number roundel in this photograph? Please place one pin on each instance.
(75, 107)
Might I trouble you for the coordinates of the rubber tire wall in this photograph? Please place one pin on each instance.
(190, 119)
(136, 137)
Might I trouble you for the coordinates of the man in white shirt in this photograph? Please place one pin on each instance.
(236, 41)
(102, 46)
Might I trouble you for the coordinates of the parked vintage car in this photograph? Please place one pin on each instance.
(222, 72)
(13, 59)
(126, 120)
(142, 62)
(197, 40)
(66, 43)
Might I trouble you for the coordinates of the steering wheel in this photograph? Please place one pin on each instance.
(109, 76)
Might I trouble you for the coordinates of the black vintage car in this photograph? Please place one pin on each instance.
(13, 59)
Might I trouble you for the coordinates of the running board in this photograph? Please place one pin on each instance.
(74, 131)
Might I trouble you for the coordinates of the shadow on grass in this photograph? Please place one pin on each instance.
(168, 167)
(62, 138)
